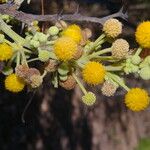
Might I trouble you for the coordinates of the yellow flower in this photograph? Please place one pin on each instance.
(6, 52)
(142, 34)
(112, 28)
(93, 73)
(14, 84)
(137, 99)
(65, 48)
(74, 32)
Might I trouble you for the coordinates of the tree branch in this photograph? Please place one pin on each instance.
(28, 18)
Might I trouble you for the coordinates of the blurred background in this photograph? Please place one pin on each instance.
(56, 119)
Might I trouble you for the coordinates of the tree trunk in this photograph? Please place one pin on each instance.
(105, 126)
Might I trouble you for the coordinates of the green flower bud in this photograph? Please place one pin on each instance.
(145, 73)
(53, 30)
(43, 38)
(2, 37)
(128, 61)
(89, 99)
(148, 59)
(134, 68)
(146, 62)
(35, 43)
(126, 70)
(136, 59)
(28, 38)
(44, 55)
(36, 36)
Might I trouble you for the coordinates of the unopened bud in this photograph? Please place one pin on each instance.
(69, 84)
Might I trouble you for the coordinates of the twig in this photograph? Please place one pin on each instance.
(28, 18)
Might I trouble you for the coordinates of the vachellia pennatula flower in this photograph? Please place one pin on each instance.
(89, 99)
(137, 99)
(35, 81)
(120, 48)
(65, 48)
(112, 28)
(44, 55)
(74, 32)
(6, 52)
(145, 73)
(142, 34)
(69, 84)
(14, 84)
(93, 73)
(53, 30)
(108, 89)
(51, 65)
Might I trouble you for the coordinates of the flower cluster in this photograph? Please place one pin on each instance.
(66, 52)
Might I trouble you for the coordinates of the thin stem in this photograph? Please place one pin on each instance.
(112, 68)
(8, 42)
(18, 58)
(107, 50)
(80, 84)
(27, 51)
(98, 42)
(104, 57)
(118, 80)
(99, 39)
(11, 60)
(13, 35)
(24, 60)
(139, 50)
(44, 74)
(33, 59)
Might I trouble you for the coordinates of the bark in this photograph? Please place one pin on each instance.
(106, 126)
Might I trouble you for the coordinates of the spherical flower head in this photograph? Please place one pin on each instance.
(6, 52)
(74, 32)
(29, 73)
(65, 48)
(112, 28)
(79, 53)
(44, 55)
(69, 84)
(120, 48)
(108, 89)
(93, 73)
(137, 99)
(21, 71)
(145, 73)
(36, 81)
(89, 99)
(142, 34)
(14, 84)
(51, 65)
(53, 30)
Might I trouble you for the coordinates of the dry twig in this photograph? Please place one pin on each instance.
(9, 9)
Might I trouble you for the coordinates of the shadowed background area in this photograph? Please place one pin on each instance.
(56, 119)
